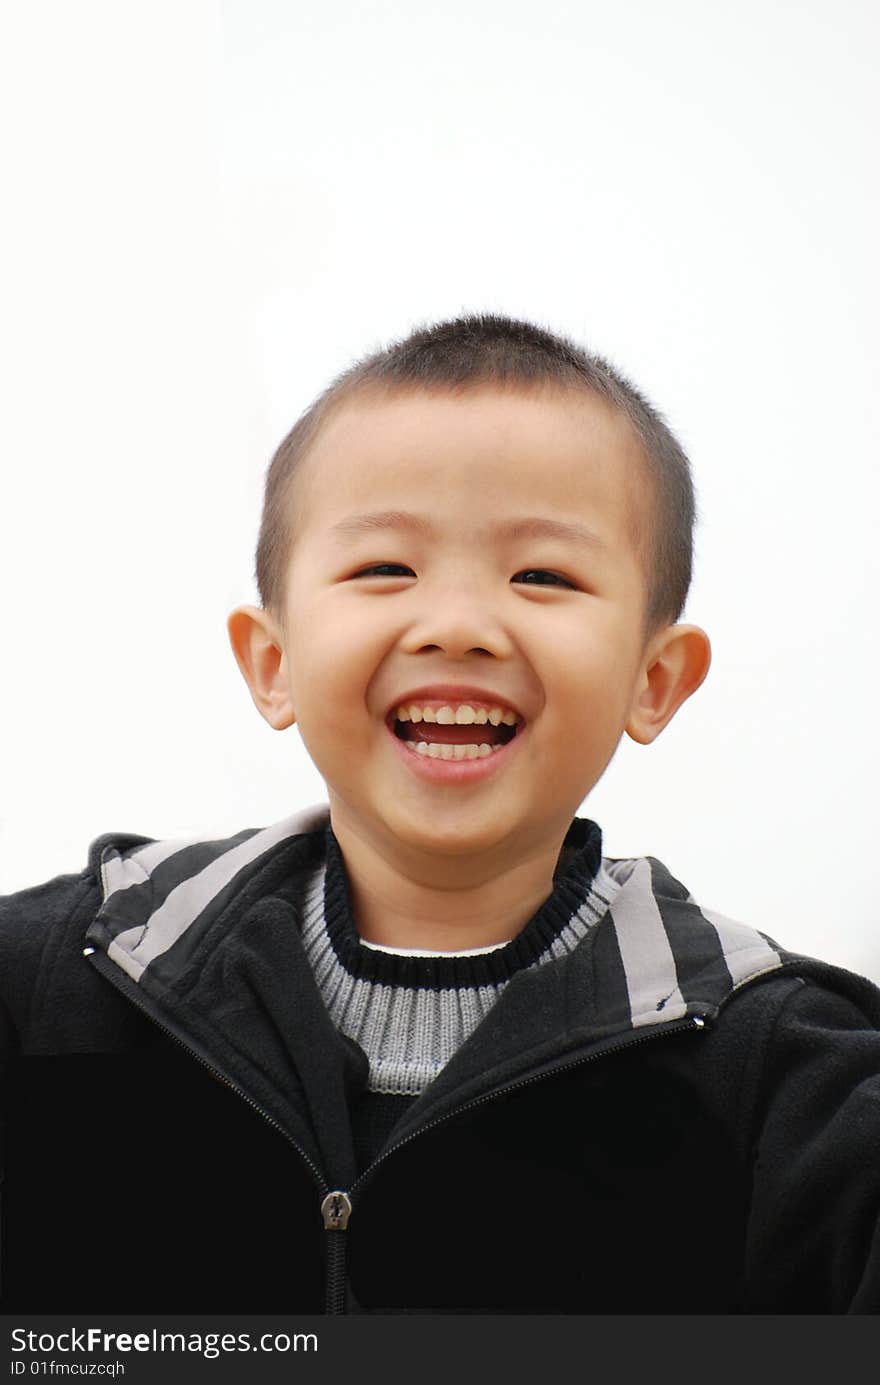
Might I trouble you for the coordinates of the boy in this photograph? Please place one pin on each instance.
(424, 1050)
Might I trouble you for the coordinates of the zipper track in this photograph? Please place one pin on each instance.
(123, 983)
(335, 1276)
(128, 988)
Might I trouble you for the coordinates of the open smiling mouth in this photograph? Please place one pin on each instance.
(453, 743)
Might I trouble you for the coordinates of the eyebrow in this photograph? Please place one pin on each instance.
(355, 526)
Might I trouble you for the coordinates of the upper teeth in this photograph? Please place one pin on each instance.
(461, 715)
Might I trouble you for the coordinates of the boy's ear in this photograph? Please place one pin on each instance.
(676, 662)
(258, 646)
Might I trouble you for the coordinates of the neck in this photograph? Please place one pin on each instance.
(449, 906)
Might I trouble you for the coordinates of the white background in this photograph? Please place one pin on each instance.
(211, 209)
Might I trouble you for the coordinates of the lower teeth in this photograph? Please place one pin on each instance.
(438, 751)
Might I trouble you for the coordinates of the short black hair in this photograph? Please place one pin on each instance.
(481, 349)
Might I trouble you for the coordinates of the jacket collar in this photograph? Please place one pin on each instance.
(659, 954)
(203, 935)
(156, 892)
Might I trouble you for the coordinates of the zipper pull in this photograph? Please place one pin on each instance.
(336, 1210)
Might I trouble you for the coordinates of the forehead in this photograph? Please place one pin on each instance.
(562, 453)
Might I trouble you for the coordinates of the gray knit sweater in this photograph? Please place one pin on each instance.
(410, 1012)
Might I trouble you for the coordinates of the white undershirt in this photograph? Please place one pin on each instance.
(426, 952)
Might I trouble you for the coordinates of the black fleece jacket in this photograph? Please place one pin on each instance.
(676, 1116)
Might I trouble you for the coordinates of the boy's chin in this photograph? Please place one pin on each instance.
(445, 832)
(453, 833)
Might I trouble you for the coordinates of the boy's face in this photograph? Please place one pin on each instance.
(547, 624)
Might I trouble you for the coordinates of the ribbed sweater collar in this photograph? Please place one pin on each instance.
(409, 1015)
(579, 861)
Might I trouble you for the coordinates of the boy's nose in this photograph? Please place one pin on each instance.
(458, 624)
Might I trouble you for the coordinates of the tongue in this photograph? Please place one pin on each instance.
(451, 735)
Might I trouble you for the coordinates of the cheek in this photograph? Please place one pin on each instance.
(583, 651)
(590, 677)
(334, 658)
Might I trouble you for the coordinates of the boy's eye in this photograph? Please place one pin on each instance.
(385, 570)
(535, 576)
